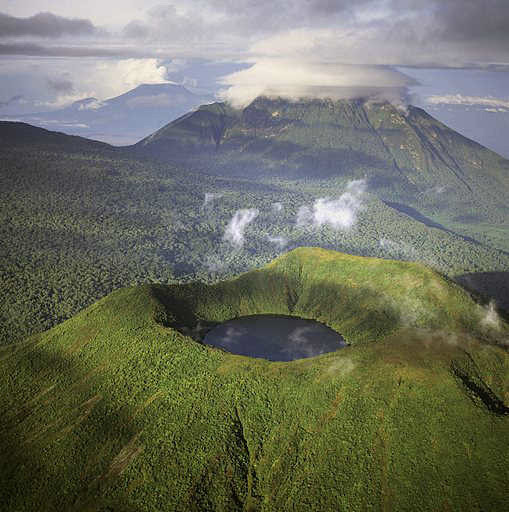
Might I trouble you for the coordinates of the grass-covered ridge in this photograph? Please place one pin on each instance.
(115, 410)
(362, 298)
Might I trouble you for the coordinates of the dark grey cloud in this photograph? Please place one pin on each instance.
(476, 20)
(236, 19)
(136, 30)
(441, 33)
(38, 50)
(10, 101)
(61, 85)
(44, 25)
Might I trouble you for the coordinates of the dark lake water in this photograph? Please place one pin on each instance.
(274, 337)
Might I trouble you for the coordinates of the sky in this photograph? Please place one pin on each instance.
(449, 56)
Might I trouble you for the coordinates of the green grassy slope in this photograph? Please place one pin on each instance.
(116, 410)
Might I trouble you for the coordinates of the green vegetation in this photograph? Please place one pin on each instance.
(79, 219)
(115, 409)
(407, 157)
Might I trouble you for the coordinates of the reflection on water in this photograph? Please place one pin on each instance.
(274, 337)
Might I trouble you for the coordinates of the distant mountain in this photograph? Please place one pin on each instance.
(122, 120)
(24, 136)
(410, 160)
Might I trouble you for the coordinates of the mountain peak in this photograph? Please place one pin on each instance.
(349, 139)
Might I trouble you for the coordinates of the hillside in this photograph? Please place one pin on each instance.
(408, 158)
(115, 409)
(25, 136)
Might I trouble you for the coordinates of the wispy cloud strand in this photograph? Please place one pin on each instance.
(235, 229)
(459, 99)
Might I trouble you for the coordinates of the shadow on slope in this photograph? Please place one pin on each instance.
(419, 217)
(468, 373)
(58, 425)
(489, 285)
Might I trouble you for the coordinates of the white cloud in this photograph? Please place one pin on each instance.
(232, 336)
(459, 99)
(92, 78)
(281, 241)
(210, 197)
(296, 78)
(491, 318)
(341, 366)
(304, 343)
(234, 232)
(398, 249)
(496, 110)
(126, 74)
(70, 124)
(92, 105)
(340, 213)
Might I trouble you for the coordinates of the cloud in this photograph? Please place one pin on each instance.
(129, 73)
(459, 99)
(44, 25)
(454, 33)
(341, 367)
(38, 50)
(232, 336)
(491, 318)
(167, 22)
(299, 335)
(60, 123)
(281, 241)
(100, 79)
(10, 101)
(295, 79)
(92, 104)
(316, 48)
(340, 213)
(398, 249)
(210, 197)
(353, 53)
(108, 78)
(61, 85)
(277, 207)
(235, 229)
(304, 342)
